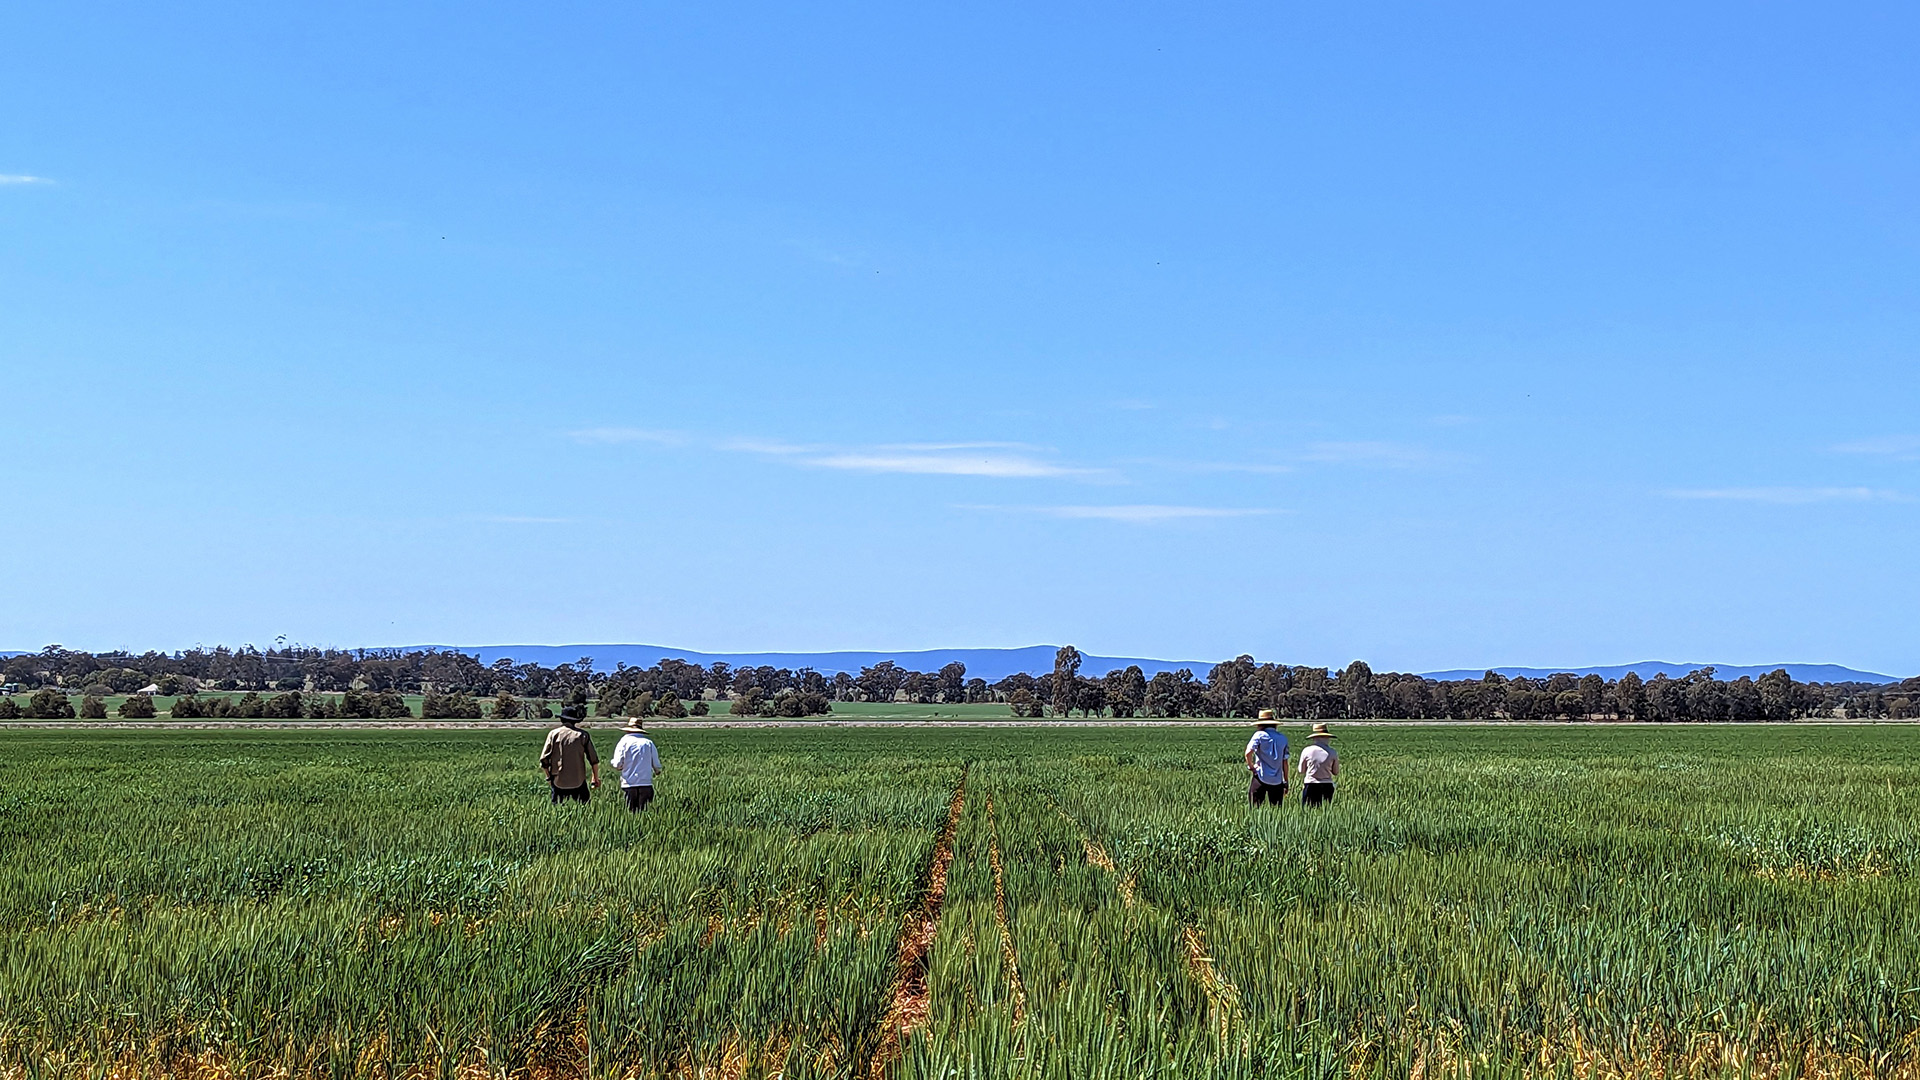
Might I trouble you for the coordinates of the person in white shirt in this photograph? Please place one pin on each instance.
(1266, 763)
(638, 761)
(1318, 766)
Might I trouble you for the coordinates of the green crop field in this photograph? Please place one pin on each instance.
(842, 710)
(954, 902)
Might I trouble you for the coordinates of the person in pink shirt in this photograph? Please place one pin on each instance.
(1318, 766)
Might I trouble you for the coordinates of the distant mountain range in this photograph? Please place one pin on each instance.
(996, 664)
(989, 664)
(1647, 669)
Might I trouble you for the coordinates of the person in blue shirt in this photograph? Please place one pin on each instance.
(1266, 763)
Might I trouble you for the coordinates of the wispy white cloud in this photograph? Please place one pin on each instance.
(614, 435)
(938, 446)
(1010, 460)
(1241, 467)
(1898, 447)
(1788, 496)
(1005, 459)
(1131, 515)
(1389, 455)
(1359, 452)
(16, 178)
(767, 446)
(944, 463)
(1176, 465)
(1013, 460)
(828, 252)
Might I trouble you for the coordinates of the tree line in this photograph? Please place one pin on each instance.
(297, 681)
(1242, 687)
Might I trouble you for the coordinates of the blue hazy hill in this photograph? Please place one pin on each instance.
(1647, 669)
(995, 664)
(989, 664)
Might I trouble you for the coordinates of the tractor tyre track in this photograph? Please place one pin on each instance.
(912, 999)
(1007, 951)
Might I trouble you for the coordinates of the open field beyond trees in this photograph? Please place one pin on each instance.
(961, 902)
(842, 710)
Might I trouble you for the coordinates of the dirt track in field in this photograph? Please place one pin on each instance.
(912, 999)
(1008, 954)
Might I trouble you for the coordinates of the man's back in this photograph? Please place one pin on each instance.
(1269, 750)
(637, 759)
(565, 756)
(1318, 763)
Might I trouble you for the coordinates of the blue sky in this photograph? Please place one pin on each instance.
(1443, 337)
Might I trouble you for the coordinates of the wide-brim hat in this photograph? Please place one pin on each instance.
(1320, 732)
(1265, 719)
(634, 723)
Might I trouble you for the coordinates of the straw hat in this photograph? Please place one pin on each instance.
(1266, 718)
(635, 723)
(1320, 732)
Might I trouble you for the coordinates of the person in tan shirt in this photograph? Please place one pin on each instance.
(566, 756)
(1318, 766)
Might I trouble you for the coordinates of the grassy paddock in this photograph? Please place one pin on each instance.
(842, 710)
(1555, 902)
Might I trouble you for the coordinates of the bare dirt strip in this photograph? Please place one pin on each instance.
(1097, 856)
(912, 1000)
(1007, 951)
(1219, 989)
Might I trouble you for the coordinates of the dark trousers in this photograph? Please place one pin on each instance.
(572, 794)
(1258, 792)
(1315, 794)
(638, 797)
